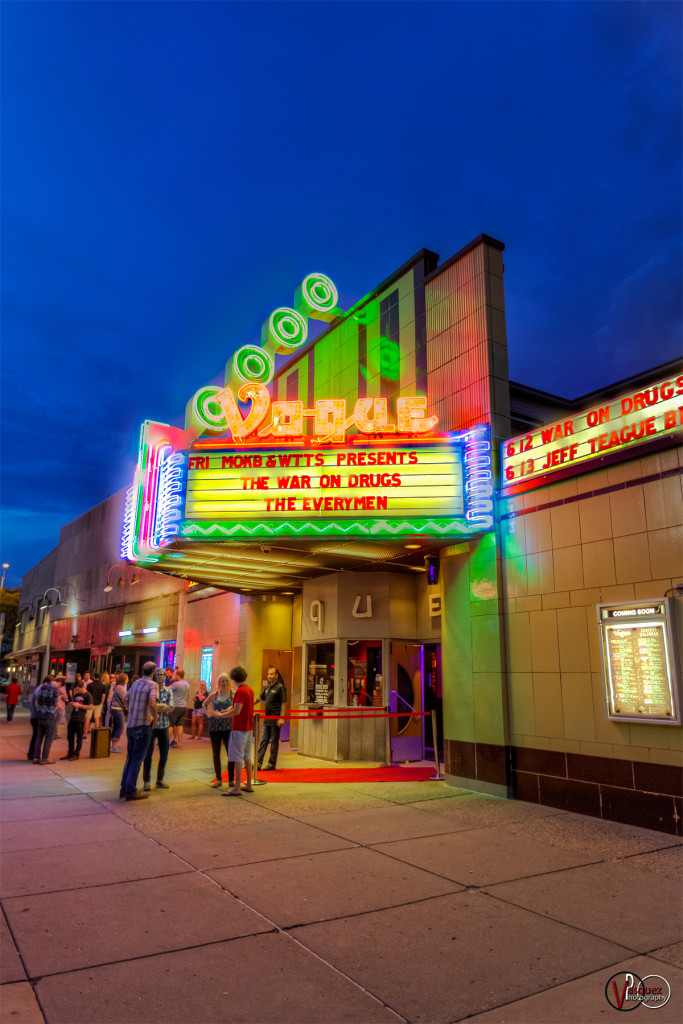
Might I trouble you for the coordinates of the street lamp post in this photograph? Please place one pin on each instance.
(5, 567)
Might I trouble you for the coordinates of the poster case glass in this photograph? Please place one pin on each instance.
(639, 662)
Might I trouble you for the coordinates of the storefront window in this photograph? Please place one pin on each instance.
(206, 666)
(364, 673)
(167, 654)
(320, 676)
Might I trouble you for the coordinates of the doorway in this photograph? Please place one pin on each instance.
(282, 661)
(406, 730)
(415, 687)
(433, 699)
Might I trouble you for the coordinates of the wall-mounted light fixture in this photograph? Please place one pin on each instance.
(125, 570)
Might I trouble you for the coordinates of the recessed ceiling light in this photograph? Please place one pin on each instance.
(413, 547)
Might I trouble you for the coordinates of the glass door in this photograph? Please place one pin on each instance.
(433, 698)
(407, 743)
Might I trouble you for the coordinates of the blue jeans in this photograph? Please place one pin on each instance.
(47, 727)
(161, 736)
(138, 741)
(117, 719)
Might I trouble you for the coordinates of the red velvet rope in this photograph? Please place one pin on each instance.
(299, 716)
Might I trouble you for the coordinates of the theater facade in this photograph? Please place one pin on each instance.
(376, 509)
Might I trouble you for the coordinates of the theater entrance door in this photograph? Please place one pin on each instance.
(415, 686)
(406, 730)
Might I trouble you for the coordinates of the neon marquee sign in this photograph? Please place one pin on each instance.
(568, 445)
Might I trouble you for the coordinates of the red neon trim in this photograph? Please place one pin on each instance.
(244, 445)
(312, 713)
(401, 439)
(393, 442)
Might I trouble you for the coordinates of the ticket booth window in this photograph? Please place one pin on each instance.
(320, 677)
(364, 674)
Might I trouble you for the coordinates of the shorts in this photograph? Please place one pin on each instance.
(198, 713)
(239, 747)
(176, 717)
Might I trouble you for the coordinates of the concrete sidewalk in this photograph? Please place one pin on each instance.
(315, 904)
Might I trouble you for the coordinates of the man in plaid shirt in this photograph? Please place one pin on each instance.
(142, 718)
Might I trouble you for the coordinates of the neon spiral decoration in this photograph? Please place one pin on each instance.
(286, 329)
(252, 365)
(318, 297)
(207, 414)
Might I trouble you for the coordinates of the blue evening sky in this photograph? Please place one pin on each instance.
(172, 170)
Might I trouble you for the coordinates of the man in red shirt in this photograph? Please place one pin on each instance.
(242, 714)
(12, 696)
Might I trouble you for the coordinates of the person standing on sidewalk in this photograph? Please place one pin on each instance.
(61, 704)
(216, 704)
(160, 734)
(80, 703)
(275, 696)
(181, 692)
(118, 707)
(34, 723)
(198, 713)
(46, 709)
(142, 718)
(12, 695)
(239, 748)
(106, 687)
(96, 691)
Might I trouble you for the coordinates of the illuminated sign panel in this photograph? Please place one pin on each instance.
(573, 441)
(639, 666)
(398, 488)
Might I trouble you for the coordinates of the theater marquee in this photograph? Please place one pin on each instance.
(571, 444)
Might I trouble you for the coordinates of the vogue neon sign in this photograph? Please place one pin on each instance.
(215, 411)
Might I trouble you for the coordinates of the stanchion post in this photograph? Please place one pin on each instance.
(387, 752)
(254, 754)
(437, 777)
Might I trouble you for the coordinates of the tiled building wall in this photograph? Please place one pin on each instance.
(468, 384)
(466, 340)
(353, 358)
(211, 619)
(611, 535)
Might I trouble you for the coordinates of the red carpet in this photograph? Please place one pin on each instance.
(392, 774)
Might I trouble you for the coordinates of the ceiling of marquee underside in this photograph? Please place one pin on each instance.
(273, 568)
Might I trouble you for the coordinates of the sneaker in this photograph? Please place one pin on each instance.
(67, 757)
(216, 785)
(116, 750)
(136, 796)
(163, 785)
(36, 760)
(173, 743)
(146, 788)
